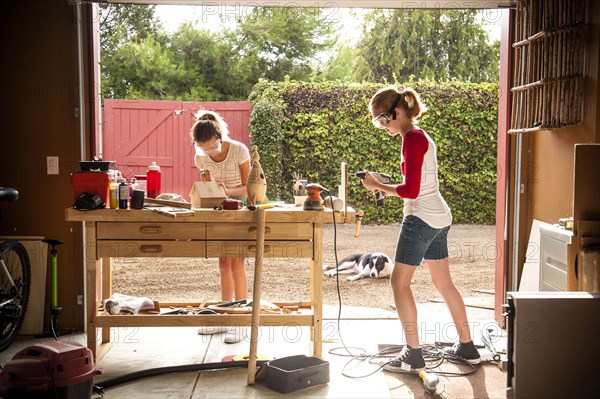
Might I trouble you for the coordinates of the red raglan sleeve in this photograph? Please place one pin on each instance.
(413, 149)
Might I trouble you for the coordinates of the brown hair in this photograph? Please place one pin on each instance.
(409, 100)
(208, 124)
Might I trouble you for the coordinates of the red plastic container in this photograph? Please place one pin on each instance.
(52, 369)
(91, 182)
(153, 180)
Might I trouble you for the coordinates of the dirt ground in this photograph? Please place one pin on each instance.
(472, 256)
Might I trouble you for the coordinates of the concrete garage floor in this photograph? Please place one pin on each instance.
(138, 349)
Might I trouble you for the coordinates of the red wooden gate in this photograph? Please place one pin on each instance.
(138, 132)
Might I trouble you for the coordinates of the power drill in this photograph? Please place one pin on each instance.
(382, 178)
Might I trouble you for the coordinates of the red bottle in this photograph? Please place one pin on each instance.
(153, 180)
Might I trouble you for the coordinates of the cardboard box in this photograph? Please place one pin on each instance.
(207, 194)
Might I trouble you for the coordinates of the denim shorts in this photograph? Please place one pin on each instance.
(418, 241)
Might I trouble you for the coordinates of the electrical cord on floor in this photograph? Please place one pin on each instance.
(432, 354)
(136, 375)
(346, 350)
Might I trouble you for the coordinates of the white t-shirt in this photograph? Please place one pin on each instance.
(227, 170)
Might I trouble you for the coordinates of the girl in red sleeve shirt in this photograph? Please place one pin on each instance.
(424, 231)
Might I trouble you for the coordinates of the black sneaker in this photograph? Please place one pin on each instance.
(409, 360)
(466, 351)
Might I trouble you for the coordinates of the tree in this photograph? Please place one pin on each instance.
(340, 66)
(144, 69)
(120, 26)
(430, 44)
(275, 42)
(208, 65)
(124, 23)
(139, 60)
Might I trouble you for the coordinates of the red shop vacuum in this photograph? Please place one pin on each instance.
(50, 370)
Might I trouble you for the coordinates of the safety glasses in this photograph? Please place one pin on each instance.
(382, 120)
(212, 148)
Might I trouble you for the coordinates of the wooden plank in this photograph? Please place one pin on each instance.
(484, 291)
(316, 290)
(173, 212)
(152, 320)
(176, 204)
(106, 291)
(91, 279)
(256, 293)
(283, 215)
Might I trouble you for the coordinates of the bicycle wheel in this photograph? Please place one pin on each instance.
(14, 290)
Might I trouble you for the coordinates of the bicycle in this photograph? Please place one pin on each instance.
(15, 281)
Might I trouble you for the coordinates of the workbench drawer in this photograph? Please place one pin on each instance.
(247, 249)
(150, 231)
(247, 231)
(126, 248)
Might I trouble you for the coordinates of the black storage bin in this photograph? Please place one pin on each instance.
(292, 373)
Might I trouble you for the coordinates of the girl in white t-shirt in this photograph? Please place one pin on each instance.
(228, 163)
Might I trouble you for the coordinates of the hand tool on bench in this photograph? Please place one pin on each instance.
(260, 247)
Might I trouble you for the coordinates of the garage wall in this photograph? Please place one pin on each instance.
(39, 118)
(548, 156)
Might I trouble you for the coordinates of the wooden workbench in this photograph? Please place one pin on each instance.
(289, 233)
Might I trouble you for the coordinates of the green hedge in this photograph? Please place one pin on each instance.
(310, 128)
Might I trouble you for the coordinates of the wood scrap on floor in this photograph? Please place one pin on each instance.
(484, 291)
(473, 302)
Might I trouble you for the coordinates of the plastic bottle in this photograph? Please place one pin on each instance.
(141, 180)
(133, 185)
(114, 191)
(123, 194)
(153, 180)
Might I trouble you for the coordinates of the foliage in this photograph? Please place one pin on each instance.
(310, 128)
(275, 42)
(340, 66)
(144, 70)
(120, 27)
(438, 45)
(209, 64)
(139, 60)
